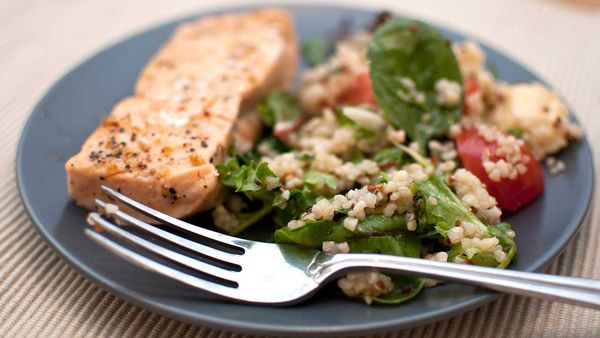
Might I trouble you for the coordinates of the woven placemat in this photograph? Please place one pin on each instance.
(41, 295)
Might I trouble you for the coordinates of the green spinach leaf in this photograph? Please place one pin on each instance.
(405, 287)
(434, 221)
(411, 49)
(314, 233)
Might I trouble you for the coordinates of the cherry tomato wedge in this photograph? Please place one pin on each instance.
(359, 93)
(511, 195)
(471, 85)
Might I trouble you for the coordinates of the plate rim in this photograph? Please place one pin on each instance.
(577, 219)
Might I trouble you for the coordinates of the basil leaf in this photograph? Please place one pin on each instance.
(411, 49)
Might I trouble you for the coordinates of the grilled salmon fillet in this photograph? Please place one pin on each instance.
(160, 146)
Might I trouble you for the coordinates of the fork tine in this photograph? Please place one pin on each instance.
(176, 257)
(159, 268)
(236, 243)
(185, 243)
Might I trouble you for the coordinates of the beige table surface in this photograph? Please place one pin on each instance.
(41, 295)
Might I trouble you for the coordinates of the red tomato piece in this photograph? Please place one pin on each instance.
(471, 85)
(511, 195)
(359, 93)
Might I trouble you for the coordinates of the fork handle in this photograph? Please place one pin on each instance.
(573, 290)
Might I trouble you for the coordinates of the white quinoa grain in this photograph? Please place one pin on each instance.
(272, 182)
(411, 221)
(323, 209)
(350, 223)
(111, 209)
(366, 284)
(456, 234)
(389, 209)
(335, 248)
(499, 255)
(448, 92)
(295, 224)
(488, 244)
(432, 200)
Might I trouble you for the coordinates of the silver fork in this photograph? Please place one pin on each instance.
(263, 273)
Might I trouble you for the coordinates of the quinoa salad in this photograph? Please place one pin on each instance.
(400, 142)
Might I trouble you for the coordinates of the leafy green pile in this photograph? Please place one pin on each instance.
(414, 50)
(399, 49)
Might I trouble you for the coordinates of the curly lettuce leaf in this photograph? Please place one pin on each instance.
(411, 49)
(245, 178)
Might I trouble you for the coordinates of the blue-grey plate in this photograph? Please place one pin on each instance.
(72, 109)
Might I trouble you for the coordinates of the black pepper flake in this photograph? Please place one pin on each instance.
(142, 165)
(101, 178)
(203, 144)
(205, 186)
(127, 166)
(211, 159)
(172, 191)
(187, 131)
(152, 171)
(193, 137)
(134, 154)
(123, 144)
(192, 150)
(94, 156)
(121, 130)
(133, 137)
